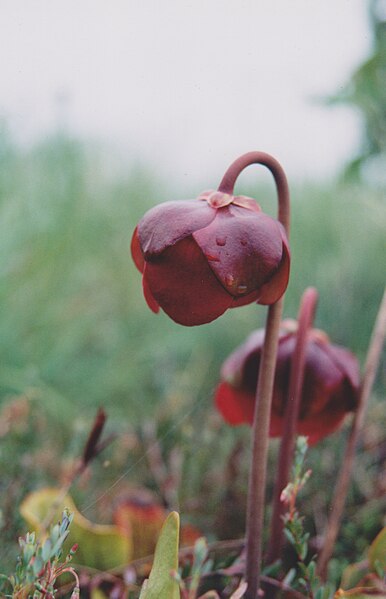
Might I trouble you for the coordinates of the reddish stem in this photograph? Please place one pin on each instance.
(229, 179)
(260, 427)
(372, 361)
(305, 320)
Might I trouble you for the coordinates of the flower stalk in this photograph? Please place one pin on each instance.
(344, 477)
(260, 428)
(287, 446)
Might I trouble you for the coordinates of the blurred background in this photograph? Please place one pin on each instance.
(109, 108)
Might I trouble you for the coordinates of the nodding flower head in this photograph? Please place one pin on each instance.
(330, 387)
(200, 257)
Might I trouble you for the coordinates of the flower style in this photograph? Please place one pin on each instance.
(200, 257)
(330, 388)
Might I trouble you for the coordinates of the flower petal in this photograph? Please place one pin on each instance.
(313, 428)
(272, 291)
(150, 300)
(136, 251)
(247, 202)
(242, 251)
(167, 223)
(184, 286)
(236, 406)
(245, 299)
(349, 367)
(241, 367)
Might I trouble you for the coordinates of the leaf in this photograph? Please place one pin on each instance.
(377, 552)
(360, 593)
(368, 587)
(141, 518)
(101, 546)
(352, 575)
(160, 584)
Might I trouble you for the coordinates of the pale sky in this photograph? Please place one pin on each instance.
(187, 86)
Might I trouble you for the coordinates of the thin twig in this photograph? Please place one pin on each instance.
(343, 482)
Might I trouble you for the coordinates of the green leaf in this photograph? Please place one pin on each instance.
(160, 584)
(46, 550)
(377, 552)
(101, 546)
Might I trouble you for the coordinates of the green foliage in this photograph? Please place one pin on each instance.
(39, 563)
(161, 585)
(366, 91)
(102, 547)
(377, 554)
(306, 578)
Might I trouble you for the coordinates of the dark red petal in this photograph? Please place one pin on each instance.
(245, 299)
(349, 367)
(233, 370)
(322, 381)
(235, 406)
(243, 252)
(318, 428)
(184, 286)
(150, 300)
(164, 225)
(272, 291)
(136, 251)
(313, 428)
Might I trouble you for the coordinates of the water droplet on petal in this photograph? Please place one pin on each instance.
(229, 280)
(241, 289)
(212, 258)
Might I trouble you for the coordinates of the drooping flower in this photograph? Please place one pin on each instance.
(200, 257)
(330, 387)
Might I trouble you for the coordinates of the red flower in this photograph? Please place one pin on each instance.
(330, 388)
(201, 257)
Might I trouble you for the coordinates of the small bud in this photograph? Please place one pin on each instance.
(91, 446)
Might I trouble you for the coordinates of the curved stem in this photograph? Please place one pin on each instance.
(343, 482)
(229, 179)
(260, 427)
(305, 320)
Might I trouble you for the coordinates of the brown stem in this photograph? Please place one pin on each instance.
(343, 482)
(258, 467)
(229, 179)
(305, 320)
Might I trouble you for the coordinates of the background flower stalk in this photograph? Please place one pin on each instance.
(287, 446)
(342, 485)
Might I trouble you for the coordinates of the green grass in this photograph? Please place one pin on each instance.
(75, 332)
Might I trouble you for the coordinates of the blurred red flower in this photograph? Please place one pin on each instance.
(330, 387)
(200, 257)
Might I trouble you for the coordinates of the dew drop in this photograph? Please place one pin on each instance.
(229, 280)
(241, 289)
(212, 258)
(221, 241)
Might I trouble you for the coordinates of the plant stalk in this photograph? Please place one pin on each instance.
(287, 446)
(260, 427)
(343, 482)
